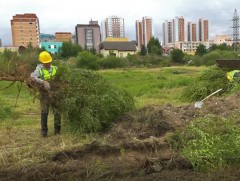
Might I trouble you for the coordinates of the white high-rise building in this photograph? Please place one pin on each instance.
(173, 31)
(113, 27)
(167, 33)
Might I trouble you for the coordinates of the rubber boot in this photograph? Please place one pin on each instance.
(57, 123)
(44, 120)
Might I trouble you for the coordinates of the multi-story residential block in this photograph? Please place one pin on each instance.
(178, 29)
(143, 31)
(63, 36)
(167, 33)
(25, 30)
(191, 47)
(191, 32)
(221, 39)
(173, 31)
(174, 34)
(147, 29)
(139, 33)
(88, 35)
(203, 30)
(0, 42)
(113, 26)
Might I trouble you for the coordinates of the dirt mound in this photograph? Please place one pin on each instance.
(151, 123)
(142, 124)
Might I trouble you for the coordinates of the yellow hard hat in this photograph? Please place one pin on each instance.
(45, 57)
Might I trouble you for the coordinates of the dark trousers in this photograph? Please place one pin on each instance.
(46, 102)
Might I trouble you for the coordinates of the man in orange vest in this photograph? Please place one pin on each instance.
(43, 73)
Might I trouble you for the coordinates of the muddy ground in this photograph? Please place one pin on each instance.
(135, 148)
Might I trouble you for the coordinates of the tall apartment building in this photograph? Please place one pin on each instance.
(191, 32)
(113, 27)
(147, 29)
(63, 36)
(88, 35)
(143, 31)
(203, 30)
(25, 30)
(173, 31)
(167, 33)
(139, 33)
(178, 29)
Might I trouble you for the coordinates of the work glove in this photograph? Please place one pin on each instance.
(46, 85)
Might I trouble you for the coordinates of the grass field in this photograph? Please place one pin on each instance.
(21, 145)
(153, 86)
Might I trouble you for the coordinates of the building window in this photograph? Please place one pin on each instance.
(49, 46)
(55, 46)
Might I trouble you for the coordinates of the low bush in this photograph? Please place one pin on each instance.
(209, 143)
(113, 62)
(208, 82)
(89, 103)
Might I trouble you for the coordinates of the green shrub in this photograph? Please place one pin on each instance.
(89, 103)
(210, 59)
(87, 60)
(197, 61)
(208, 82)
(113, 62)
(209, 143)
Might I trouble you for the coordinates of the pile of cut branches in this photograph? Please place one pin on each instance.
(87, 101)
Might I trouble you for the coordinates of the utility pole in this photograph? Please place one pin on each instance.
(235, 28)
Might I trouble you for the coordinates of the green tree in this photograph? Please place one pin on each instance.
(69, 49)
(222, 46)
(177, 55)
(87, 60)
(213, 47)
(154, 46)
(143, 50)
(201, 50)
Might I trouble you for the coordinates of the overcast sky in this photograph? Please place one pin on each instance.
(64, 15)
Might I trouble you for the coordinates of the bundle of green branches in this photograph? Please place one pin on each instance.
(88, 102)
(209, 81)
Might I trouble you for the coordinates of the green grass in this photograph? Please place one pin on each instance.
(153, 86)
(21, 145)
(210, 143)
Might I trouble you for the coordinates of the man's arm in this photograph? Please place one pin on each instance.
(35, 76)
